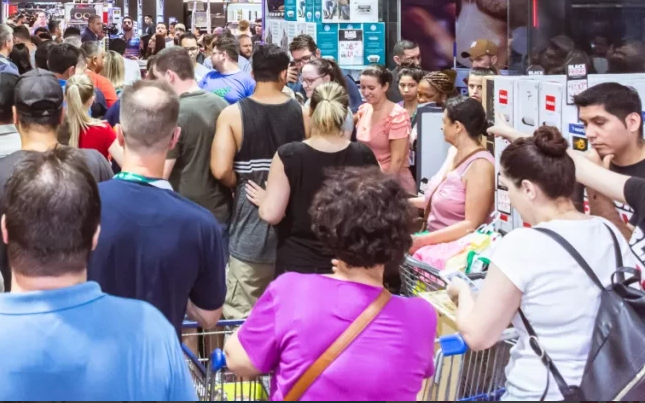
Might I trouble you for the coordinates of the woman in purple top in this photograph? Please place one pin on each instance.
(362, 216)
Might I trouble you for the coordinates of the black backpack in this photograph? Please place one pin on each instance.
(615, 368)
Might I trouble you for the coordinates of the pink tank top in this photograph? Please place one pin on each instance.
(449, 199)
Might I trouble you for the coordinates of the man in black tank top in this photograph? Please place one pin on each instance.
(247, 137)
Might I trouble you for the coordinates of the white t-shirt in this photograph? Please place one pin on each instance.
(560, 301)
(132, 71)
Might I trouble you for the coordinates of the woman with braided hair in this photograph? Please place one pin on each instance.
(436, 87)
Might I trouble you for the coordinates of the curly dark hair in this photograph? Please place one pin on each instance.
(363, 217)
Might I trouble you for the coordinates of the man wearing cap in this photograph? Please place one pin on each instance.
(180, 29)
(38, 114)
(482, 54)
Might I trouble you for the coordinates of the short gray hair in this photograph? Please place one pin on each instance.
(91, 49)
(75, 41)
(6, 34)
(149, 113)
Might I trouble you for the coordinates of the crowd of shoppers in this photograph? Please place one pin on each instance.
(282, 189)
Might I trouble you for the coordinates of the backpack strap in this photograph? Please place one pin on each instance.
(534, 342)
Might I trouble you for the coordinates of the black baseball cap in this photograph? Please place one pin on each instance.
(8, 83)
(39, 94)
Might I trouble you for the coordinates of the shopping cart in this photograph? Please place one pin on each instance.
(463, 375)
(418, 277)
(212, 380)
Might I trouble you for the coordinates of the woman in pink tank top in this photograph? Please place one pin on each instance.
(460, 197)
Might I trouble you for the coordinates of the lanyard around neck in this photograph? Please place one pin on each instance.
(130, 177)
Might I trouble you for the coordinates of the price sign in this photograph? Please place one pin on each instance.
(503, 198)
(576, 77)
(577, 70)
(575, 87)
(503, 202)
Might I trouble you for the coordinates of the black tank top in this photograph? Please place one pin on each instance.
(265, 127)
(306, 169)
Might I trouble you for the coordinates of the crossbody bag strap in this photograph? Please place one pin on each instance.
(426, 212)
(338, 346)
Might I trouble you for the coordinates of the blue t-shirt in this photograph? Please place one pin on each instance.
(242, 63)
(133, 47)
(232, 87)
(160, 247)
(78, 343)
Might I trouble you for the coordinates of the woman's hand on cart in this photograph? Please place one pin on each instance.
(418, 242)
(456, 287)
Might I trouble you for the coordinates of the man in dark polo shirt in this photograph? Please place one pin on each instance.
(156, 245)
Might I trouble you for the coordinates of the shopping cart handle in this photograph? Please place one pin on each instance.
(218, 360)
(453, 345)
(188, 324)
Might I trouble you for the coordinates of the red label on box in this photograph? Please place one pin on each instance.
(550, 103)
(503, 97)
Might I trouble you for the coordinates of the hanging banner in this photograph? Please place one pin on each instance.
(160, 13)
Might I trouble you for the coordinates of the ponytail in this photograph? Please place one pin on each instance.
(329, 104)
(329, 68)
(78, 91)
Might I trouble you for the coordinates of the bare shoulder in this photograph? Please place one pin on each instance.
(231, 112)
(480, 168)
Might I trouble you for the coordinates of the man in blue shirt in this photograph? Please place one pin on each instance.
(63, 338)
(228, 81)
(156, 245)
(303, 49)
(133, 42)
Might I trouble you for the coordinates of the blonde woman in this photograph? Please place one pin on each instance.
(85, 131)
(297, 173)
(114, 70)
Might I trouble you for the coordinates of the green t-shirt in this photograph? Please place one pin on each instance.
(191, 176)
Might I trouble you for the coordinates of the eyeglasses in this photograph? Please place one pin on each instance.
(193, 49)
(303, 60)
(310, 81)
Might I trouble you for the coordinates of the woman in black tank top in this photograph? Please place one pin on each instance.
(297, 172)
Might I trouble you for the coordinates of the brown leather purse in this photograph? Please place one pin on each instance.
(336, 349)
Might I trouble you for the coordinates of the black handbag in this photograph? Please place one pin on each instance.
(615, 368)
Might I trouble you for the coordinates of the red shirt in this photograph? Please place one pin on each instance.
(105, 86)
(98, 138)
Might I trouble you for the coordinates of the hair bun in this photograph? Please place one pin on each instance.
(549, 141)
